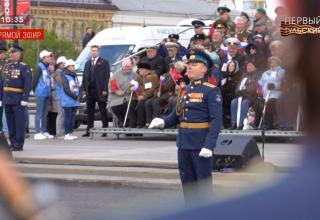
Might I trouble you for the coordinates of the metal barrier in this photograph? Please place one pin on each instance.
(142, 131)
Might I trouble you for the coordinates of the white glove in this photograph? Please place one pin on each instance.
(23, 103)
(0, 103)
(205, 152)
(157, 123)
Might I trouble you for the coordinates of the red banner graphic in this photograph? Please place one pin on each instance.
(23, 34)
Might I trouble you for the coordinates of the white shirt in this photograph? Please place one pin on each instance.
(94, 60)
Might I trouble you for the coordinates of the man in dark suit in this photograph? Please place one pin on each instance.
(95, 86)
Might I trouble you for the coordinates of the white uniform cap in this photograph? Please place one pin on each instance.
(232, 41)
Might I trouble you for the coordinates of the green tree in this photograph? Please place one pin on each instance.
(52, 43)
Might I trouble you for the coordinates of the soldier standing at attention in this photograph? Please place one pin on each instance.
(14, 94)
(199, 113)
(3, 61)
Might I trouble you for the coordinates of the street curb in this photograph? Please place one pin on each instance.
(122, 163)
(106, 181)
(114, 163)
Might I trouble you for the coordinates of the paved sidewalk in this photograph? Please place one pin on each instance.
(138, 151)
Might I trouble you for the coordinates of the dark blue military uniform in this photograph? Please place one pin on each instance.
(2, 63)
(199, 113)
(15, 88)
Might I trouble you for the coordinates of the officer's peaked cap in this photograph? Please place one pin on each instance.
(223, 9)
(232, 41)
(197, 23)
(16, 47)
(197, 55)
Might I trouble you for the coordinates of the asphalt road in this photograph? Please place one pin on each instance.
(92, 202)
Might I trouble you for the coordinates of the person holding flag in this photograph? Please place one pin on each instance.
(119, 90)
(146, 86)
(161, 97)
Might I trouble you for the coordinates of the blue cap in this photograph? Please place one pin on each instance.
(197, 55)
(16, 47)
(197, 23)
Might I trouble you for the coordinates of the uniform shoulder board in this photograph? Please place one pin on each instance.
(209, 85)
(23, 63)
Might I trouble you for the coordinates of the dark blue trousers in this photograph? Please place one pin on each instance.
(70, 118)
(16, 119)
(195, 175)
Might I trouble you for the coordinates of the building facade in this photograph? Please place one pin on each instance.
(70, 18)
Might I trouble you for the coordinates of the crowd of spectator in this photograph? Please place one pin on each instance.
(249, 57)
(249, 67)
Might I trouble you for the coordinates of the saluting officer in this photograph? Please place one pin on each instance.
(14, 94)
(199, 112)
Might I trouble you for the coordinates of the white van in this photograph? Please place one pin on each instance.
(115, 43)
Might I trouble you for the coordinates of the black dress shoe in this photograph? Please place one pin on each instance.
(104, 135)
(87, 134)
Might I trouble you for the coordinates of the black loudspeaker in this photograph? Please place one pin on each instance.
(235, 151)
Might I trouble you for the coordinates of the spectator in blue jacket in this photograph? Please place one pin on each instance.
(41, 85)
(57, 77)
(70, 94)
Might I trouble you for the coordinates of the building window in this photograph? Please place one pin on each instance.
(62, 30)
(54, 26)
(73, 33)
